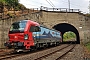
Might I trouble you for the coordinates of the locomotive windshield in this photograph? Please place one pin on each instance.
(34, 29)
(18, 27)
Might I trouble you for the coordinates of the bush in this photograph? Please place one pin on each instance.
(69, 35)
(88, 46)
(10, 15)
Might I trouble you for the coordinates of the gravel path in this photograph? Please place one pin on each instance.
(76, 54)
(5, 51)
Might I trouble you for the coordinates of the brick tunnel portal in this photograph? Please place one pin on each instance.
(65, 27)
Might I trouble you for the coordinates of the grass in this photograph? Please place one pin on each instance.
(88, 46)
(69, 39)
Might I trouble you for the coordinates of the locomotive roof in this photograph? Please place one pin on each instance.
(49, 28)
(22, 21)
(31, 22)
(34, 23)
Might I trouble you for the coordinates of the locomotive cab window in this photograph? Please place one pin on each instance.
(18, 27)
(35, 29)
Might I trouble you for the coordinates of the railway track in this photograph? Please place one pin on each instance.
(13, 54)
(7, 56)
(54, 53)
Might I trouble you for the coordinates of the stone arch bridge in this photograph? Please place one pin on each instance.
(61, 19)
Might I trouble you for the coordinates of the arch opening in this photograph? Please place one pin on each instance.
(65, 27)
(69, 36)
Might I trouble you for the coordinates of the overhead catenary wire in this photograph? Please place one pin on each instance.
(39, 3)
(89, 7)
(50, 3)
(71, 3)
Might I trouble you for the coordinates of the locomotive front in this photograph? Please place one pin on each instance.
(18, 36)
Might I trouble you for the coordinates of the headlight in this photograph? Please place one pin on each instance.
(25, 36)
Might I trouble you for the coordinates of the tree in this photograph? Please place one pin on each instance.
(69, 35)
(12, 3)
(2, 1)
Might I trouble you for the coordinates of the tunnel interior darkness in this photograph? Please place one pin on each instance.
(65, 27)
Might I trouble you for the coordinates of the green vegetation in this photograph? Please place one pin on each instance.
(12, 4)
(88, 46)
(88, 15)
(69, 35)
(2, 1)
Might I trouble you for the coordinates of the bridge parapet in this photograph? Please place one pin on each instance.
(59, 9)
(55, 9)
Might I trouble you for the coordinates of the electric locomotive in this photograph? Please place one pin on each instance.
(27, 34)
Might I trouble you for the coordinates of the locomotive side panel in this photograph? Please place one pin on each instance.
(46, 35)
